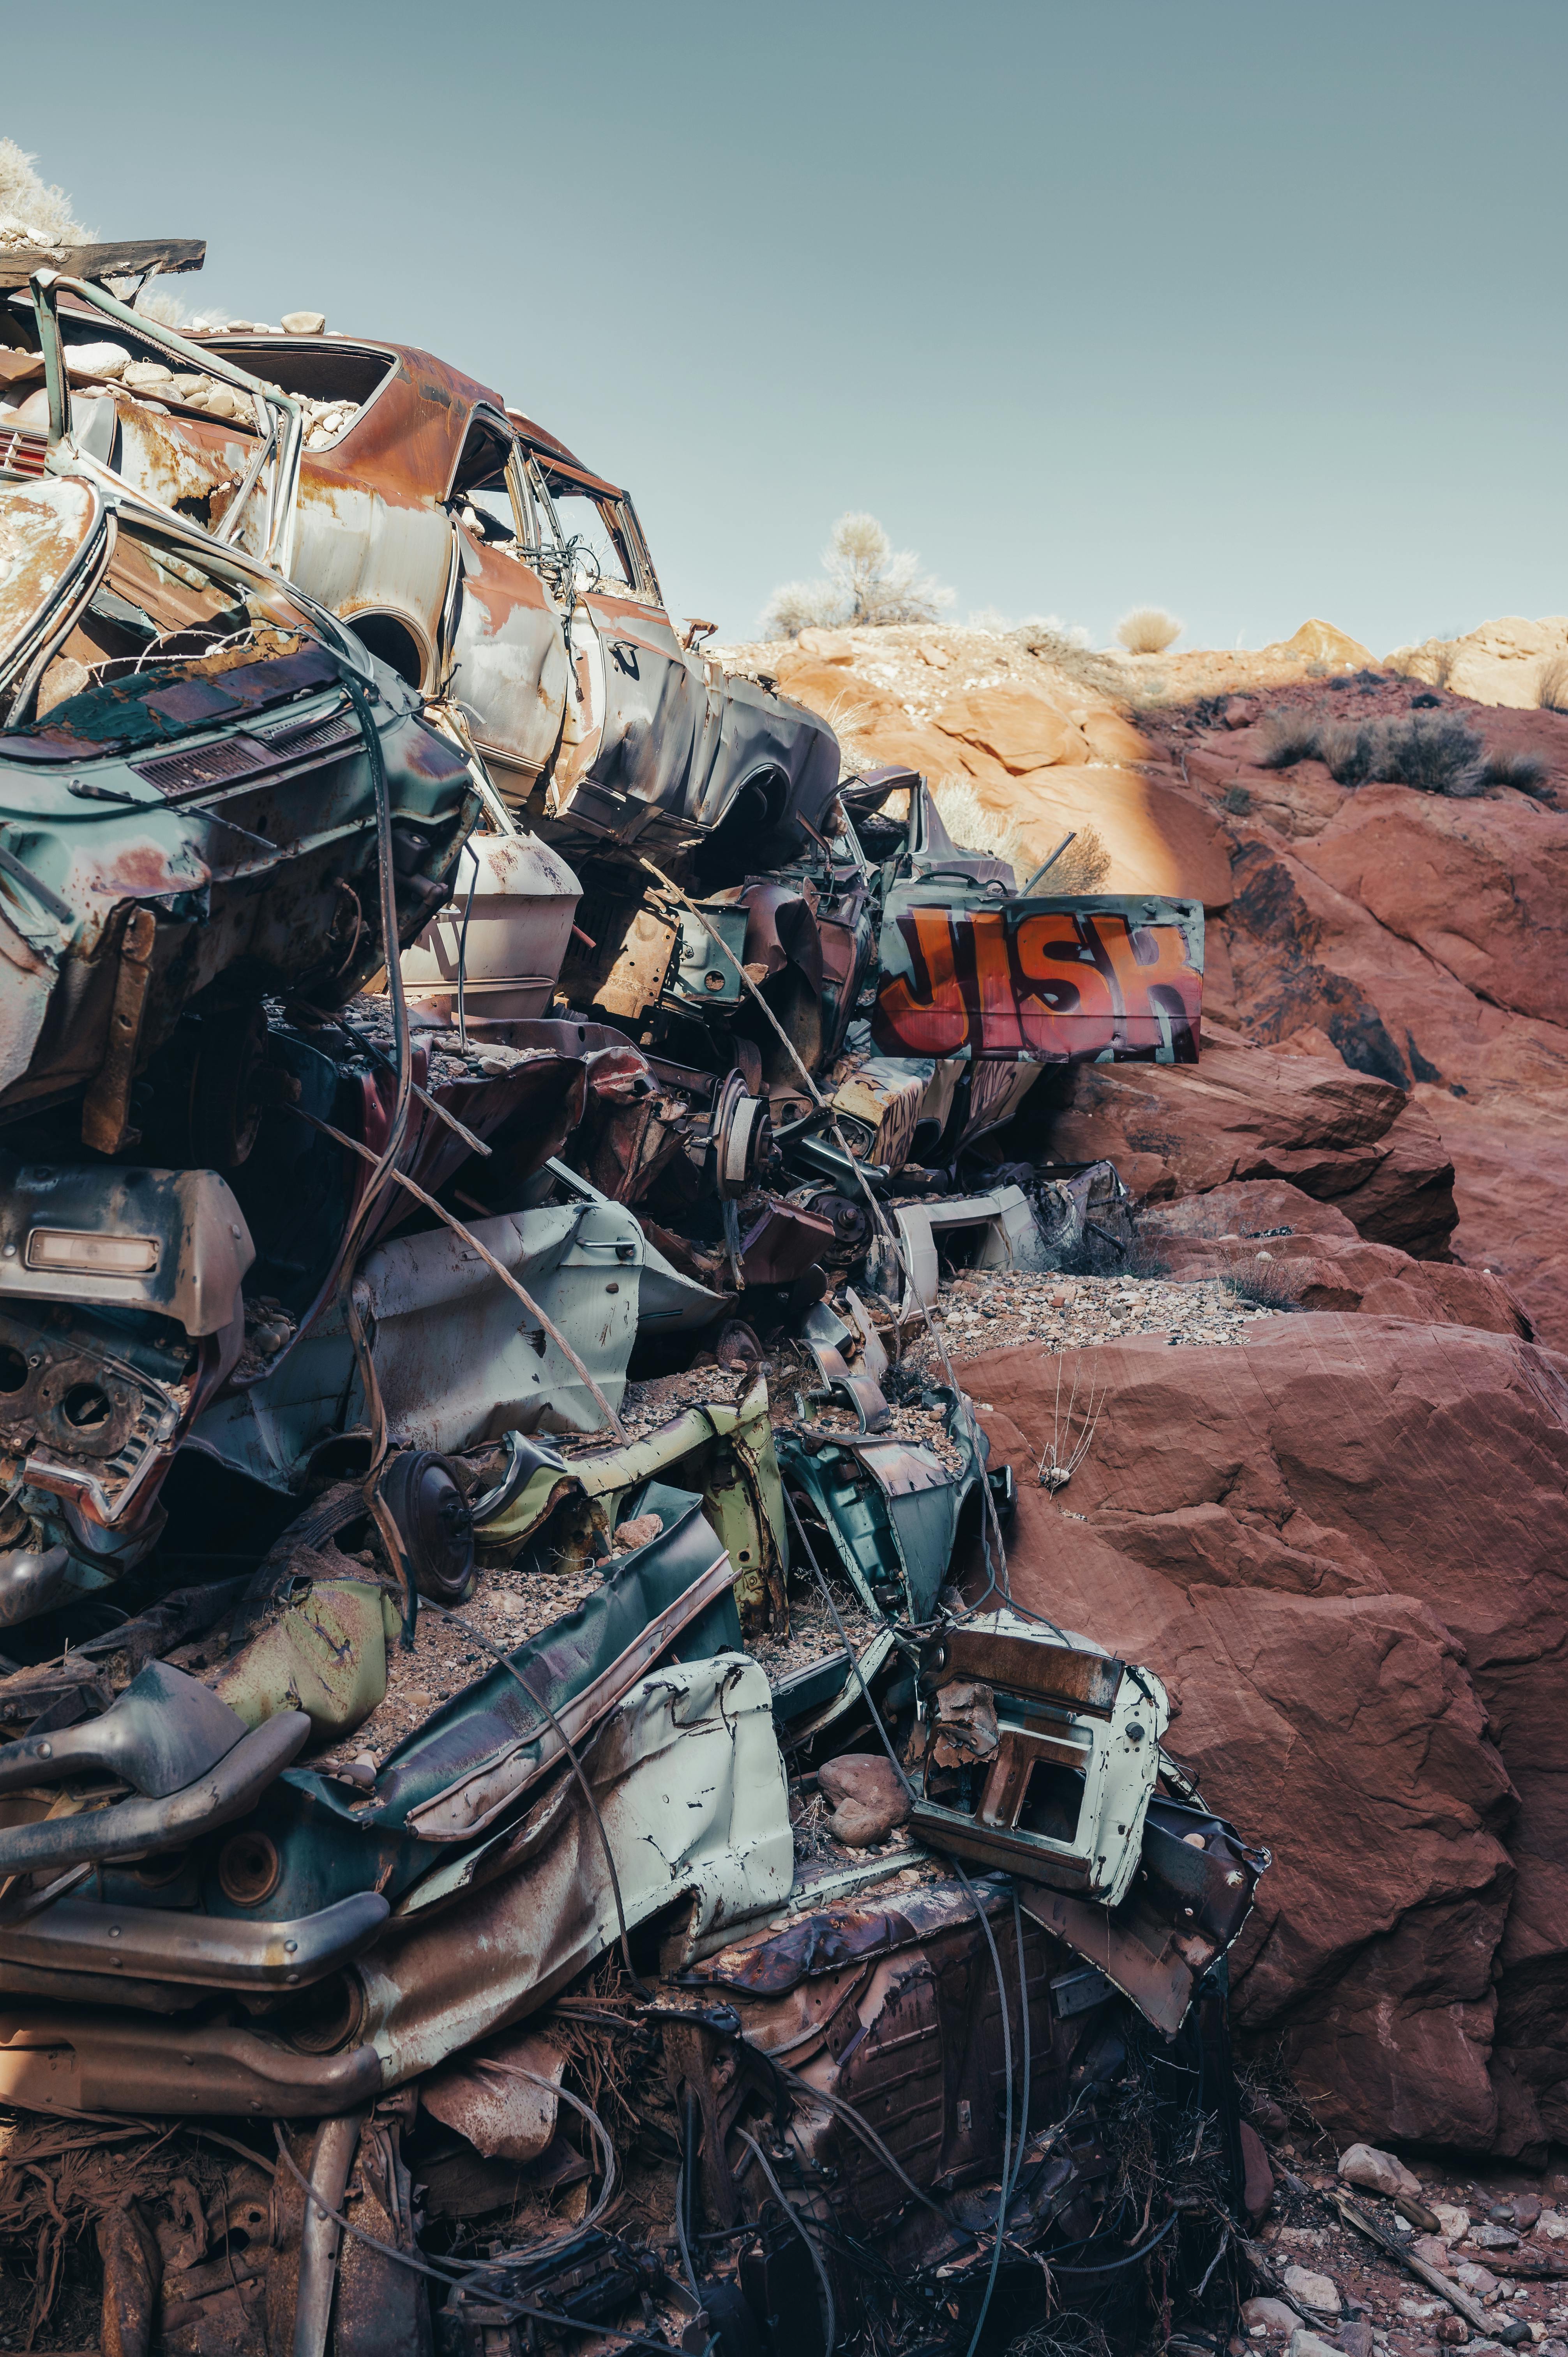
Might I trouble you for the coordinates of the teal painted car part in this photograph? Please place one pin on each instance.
(890, 1508)
(455, 1779)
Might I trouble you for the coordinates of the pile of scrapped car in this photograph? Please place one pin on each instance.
(514, 1715)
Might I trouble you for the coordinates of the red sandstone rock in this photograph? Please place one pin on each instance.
(867, 1796)
(1321, 1262)
(1482, 886)
(1344, 1137)
(1510, 1174)
(1342, 1544)
(1016, 725)
(1408, 931)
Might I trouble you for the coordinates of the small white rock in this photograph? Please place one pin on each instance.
(304, 323)
(1313, 2290)
(1453, 2224)
(1305, 2344)
(1378, 2172)
(147, 376)
(82, 361)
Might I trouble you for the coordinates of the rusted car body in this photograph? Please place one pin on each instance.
(472, 550)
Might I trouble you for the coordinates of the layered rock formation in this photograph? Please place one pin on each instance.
(1340, 1544)
(1419, 939)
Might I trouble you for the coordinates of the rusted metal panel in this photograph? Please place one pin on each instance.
(1083, 1679)
(1048, 982)
(509, 665)
(894, 2008)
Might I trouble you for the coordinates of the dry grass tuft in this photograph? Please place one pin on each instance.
(30, 213)
(1433, 753)
(1147, 630)
(1082, 867)
(1552, 688)
(1065, 647)
(1527, 773)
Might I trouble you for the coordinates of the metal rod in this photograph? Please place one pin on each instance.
(1050, 863)
(319, 2236)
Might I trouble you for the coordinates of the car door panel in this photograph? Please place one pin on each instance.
(508, 666)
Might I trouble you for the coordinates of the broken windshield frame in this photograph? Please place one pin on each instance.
(280, 420)
(86, 586)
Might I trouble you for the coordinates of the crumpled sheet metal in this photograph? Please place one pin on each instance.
(457, 1359)
(894, 2008)
(691, 1790)
(1061, 1796)
(690, 1786)
(469, 1764)
(891, 1507)
(1195, 1894)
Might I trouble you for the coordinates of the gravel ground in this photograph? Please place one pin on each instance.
(508, 1605)
(812, 1636)
(1379, 2301)
(975, 1314)
(992, 1312)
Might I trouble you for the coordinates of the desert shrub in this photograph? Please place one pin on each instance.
(868, 585)
(30, 213)
(1552, 688)
(1237, 800)
(159, 303)
(1434, 755)
(799, 605)
(1048, 634)
(1525, 772)
(1147, 630)
(1065, 647)
(1261, 1285)
(1348, 751)
(996, 833)
(1082, 867)
(1286, 737)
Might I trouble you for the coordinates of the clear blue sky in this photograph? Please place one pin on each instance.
(1253, 311)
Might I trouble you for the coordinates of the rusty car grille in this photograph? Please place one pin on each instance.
(300, 738)
(248, 756)
(207, 765)
(21, 452)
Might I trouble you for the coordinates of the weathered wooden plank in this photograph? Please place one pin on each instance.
(170, 254)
